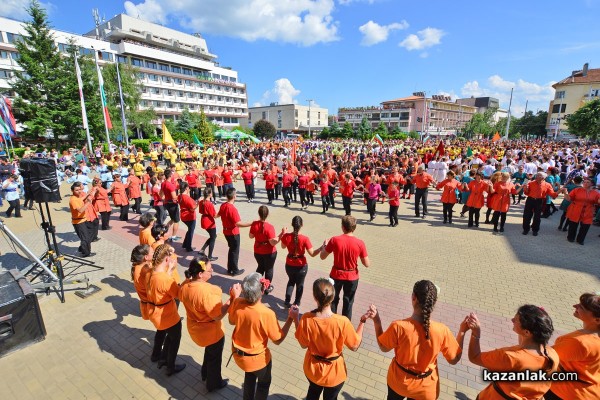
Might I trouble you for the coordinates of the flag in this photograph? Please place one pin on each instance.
(440, 149)
(103, 97)
(378, 139)
(469, 152)
(166, 137)
(80, 84)
(294, 152)
(9, 126)
(197, 141)
(496, 137)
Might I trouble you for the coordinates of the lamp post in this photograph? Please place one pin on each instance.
(309, 103)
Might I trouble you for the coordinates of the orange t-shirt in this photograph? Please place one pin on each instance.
(162, 290)
(146, 237)
(415, 353)
(202, 302)
(514, 359)
(140, 277)
(254, 324)
(422, 181)
(579, 352)
(325, 337)
(76, 216)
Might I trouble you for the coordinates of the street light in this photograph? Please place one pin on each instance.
(309, 103)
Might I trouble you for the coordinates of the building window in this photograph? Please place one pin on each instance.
(279, 114)
(4, 55)
(153, 77)
(296, 123)
(180, 93)
(187, 71)
(395, 115)
(559, 108)
(188, 83)
(296, 115)
(155, 91)
(176, 70)
(5, 74)
(104, 55)
(234, 121)
(141, 76)
(404, 116)
(136, 62)
(264, 115)
(122, 59)
(307, 114)
(594, 92)
(319, 115)
(157, 104)
(169, 92)
(560, 95)
(192, 106)
(12, 38)
(166, 79)
(169, 105)
(151, 65)
(178, 81)
(163, 67)
(279, 124)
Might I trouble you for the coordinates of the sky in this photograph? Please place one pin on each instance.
(356, 53)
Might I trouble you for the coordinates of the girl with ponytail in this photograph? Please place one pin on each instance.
(296, 266)
(265, 242)
(416, 342)
(534, 328)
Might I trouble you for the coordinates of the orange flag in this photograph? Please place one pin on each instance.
(496, 137)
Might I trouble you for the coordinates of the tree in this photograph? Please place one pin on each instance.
(335, 130)
(186, 121)
(325, 133)
(381, 130)
(585, 122)
(481, 124)
(364, 129)
(205, 131)
(264, 128)
(347, 130)
(47, 95)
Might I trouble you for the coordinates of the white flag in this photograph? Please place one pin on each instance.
(80, 84)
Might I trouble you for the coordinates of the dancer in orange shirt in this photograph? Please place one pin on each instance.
(255, 324)
(324, 334)
(476, 199)
(449, 186)
(205, 309)
(579, 351)
(119, 197)
(416, 342)
(501, 201)
(534, 327)
(581, 210)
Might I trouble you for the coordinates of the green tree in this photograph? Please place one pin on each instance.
(481, 124)
(47, 96)
(381, 130)
(264, 128)
(364, 129)
(325, 133)
(335, 130)
(205, 130)
(186, 121)
(585, 122)
(141, 121)
(347, 130)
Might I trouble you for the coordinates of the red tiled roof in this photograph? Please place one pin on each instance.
(593, 75)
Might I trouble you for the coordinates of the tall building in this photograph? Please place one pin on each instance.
(483, 104)
(176, 70)
(289, 118)
(571, 93)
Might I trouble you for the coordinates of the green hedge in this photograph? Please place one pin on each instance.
(144, 144)
(18, 152)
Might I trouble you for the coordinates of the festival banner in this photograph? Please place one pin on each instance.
(103, 98)
(378, 139)
(166, 136)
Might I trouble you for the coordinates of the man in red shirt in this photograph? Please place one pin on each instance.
(169, 192)
(346, 250)
(422, 182)
(287, 180)
(248, 178)
(231, 223)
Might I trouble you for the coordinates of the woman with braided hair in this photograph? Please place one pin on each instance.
(416, 342)
(265, 242)
(579, 351)
(162, 291)
(296, 266)
(534, 327)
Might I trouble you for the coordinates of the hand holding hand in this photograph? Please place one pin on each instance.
(373, 311)
(235, 290)
(474, 324)
(464, 325)
(294, 312)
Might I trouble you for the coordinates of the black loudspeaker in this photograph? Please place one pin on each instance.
(21, 322)
(39, 178)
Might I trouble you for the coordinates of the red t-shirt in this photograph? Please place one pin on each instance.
(287, 179)
(156, 196)
(247, 176)
(302, 182)
(229, 217)
(208, 212)
(192, 180)
(209, 176)
(295, 257)
(269, 181)
(394, 195)
(346, 251)
(263, 231)
(186, 206)
(227, 176)
(349, 189)
(167, 188)
(324, 188)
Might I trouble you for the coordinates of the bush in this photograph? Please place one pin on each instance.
(414, 134)
(461, 139)
(18, 152)
(144, 144)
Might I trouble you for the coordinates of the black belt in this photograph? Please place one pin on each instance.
(418, 375)
(157, 305)
(294, 256)
(327, 360)
(244, 354)
(499, 390)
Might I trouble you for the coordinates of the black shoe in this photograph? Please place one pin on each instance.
(95, 240)
(559, 228)
(269, 289)
(501, 229)
(88, 255)
(176, 369)
(157, 358)
(238, 272)
(445, 222)
(423, 216)
(189, 250)
(213, 259)
(201, 252)
(535, 233)
(525, 232)
(287, 304)
(571, 240)
(221, 385)
(161, 363)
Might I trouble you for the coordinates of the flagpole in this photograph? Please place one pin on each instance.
(100, 80)
(123, 121)
(508, 115)
(82, 99)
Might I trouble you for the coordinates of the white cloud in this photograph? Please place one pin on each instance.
(305, 22)
(283, 92)
(424, 39)
(347, 2)
(17, 9)
(374, 33)
(536, 95)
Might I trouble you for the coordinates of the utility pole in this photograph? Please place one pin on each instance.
(309, 103)
(508, 115)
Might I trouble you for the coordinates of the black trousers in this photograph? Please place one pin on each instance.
(296, 276)
(95, 224)
(211, 186)
(347, 203)
(189, 235)
(158, 350)
(310, 197)
(287, 195)
(325, 203)
(421, 197)
(393, 215)
(210, 242)
(194, 193)
(233, 255)
(171, 344)
(14, 205)
(498, 216)
(303, 200)
(277, 190)
(220, 191)
(447, 211)
(211, 366)
(249, 191)
(564, 222)
(349, 288)
(395, 396)
(474, 216)
(124, 216)
(265, 264)
(332, 196)
(137, 202)
(371, 207)
(161, 214)
(329, 393)
(260, 390)
(583, 230)
(270, 195)
(84, 232)
(533, 209)
(295, 190)
(105, 217)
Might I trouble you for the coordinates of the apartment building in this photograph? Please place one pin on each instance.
(176, 70)
(289, 118)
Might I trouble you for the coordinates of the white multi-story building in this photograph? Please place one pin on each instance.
(289, 118)
(176, 69)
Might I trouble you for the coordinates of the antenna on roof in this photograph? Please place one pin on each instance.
(96, 15)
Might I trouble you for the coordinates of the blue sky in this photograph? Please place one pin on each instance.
(361, 52)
